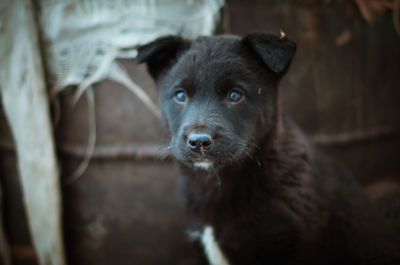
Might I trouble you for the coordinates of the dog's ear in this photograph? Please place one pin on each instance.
(161, 53)
(276, 52)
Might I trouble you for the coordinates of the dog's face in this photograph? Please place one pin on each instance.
(217, 94)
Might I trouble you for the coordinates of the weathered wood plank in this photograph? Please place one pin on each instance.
(5, 254)
(25, 101)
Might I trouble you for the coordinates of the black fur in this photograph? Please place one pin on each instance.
(271, 196)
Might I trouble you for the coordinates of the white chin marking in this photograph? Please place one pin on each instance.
(211, 248)
(203, 165)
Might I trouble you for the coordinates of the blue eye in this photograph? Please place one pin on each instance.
(235, 96)
(180, 96)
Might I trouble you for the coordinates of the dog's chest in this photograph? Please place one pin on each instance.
(211, 247)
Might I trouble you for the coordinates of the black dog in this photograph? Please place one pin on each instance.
(257, 191)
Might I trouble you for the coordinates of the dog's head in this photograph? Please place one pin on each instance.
(217, 94)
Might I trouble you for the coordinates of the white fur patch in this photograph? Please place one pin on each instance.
(193, 235)
(211, 248)
(204, 165)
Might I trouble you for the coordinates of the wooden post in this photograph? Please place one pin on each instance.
(5, 255)
(25, 101)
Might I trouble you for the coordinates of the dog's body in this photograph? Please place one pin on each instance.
(257, 191)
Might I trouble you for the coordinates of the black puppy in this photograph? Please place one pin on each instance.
(257, 191)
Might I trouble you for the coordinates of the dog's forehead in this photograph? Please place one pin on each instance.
(213, 48)
(210, 57)
(215, 43)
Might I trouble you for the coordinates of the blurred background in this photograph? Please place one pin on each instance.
(343, 89)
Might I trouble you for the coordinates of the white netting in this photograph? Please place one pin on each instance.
(84, 37)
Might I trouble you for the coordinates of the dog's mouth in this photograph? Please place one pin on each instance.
(203, 164)
(198, 161)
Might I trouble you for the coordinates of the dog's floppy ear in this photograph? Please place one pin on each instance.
(276, 52)
(160, 53)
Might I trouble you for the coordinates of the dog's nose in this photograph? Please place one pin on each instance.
(199, 141)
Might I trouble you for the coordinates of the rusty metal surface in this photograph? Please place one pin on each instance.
(122, 212)
(121, 117)
(369, 161)
(335, 85)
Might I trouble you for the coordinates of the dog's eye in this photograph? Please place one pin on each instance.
(180, 96)
(235, 95)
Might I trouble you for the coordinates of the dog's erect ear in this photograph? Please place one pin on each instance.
(160, 53)
(276, 52)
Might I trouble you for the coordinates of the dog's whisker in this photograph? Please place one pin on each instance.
(165, 152)
(217, 177)
(252, 156)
